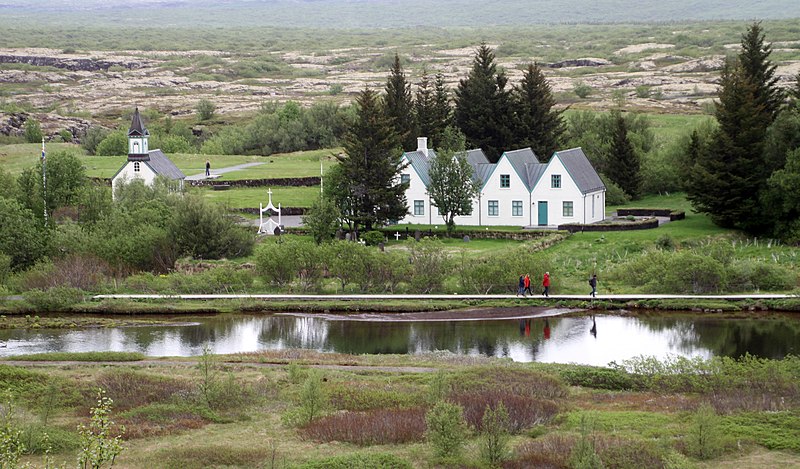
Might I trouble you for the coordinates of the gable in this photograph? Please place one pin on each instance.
(580, 170)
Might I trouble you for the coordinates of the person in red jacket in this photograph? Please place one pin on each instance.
(546, 284)
(527, 281)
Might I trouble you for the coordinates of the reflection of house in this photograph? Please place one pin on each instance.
(143, 163)
(518, 190)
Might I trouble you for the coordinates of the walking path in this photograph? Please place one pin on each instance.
(215, 173)
(296, 297)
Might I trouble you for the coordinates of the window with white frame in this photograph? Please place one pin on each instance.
(568, 208)
(405, 178)
(136, 167)
(505, 181)
(555, 181)
(419, 207)
(494, 208)
(516, 208)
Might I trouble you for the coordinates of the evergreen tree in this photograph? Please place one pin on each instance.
(432, 109)
(399, 105)
(756, 67)
(483, 106)
(624, 166)
(372, 165)
(782, 199)
(727, 176)
(538, 124)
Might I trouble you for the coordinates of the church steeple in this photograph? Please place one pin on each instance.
(137, 139)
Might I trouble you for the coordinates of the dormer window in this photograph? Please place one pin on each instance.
(136, 166)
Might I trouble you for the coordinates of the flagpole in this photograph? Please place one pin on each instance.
(44, 181)
(320, 176)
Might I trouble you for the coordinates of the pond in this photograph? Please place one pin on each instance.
(541, 336)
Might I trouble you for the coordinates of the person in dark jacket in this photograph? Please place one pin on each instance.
(593, 283)
(521, 287)
(208, 168)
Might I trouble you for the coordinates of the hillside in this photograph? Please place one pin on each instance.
(388, 13)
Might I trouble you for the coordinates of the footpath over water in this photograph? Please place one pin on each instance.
(455, 296)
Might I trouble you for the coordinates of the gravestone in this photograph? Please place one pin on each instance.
(339, 234)
(417, 235)
(347, 236)
(381, 246)
(466, 238)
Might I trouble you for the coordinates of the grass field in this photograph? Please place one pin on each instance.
(250, 197)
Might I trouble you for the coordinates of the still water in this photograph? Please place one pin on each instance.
(583, 340)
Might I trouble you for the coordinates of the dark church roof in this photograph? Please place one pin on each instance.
(163, 166)
(137, 126)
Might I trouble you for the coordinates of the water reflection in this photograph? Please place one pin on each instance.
(543, 339)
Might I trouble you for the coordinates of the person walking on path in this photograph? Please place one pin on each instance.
(593, 283)
(546, 284)
(521, 286)
(208, 168)
(527, 285)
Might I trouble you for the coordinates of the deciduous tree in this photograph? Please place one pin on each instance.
(452, 187)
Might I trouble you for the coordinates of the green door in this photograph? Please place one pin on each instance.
(542, 213)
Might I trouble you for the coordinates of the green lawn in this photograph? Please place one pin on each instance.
(250, 197)
(17, 157)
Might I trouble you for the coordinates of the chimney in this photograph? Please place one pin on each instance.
(422, 145)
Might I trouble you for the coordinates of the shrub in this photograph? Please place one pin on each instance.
(524, 411)
(511, 380)
(643, 91)
(97, 445)
(93, 137)
(359, 396)
(361, 461)
(164, 418)
(205, 109)
(204, 231)
(446, 430)
(114, 144)
(75, 271)
(33, 131)
(704, 438)
(282, 263)
(597, 378)
(313, 398)
(376, 427)
(53, 300)
(129, 388)
(582, 90)
(551, 450)
(494, 433)
(373, 238)
(429, 265)
(584, 454)
(614, 194)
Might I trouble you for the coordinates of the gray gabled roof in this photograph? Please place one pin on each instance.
(137, 126)
(581, 170)
(526, 164)
(163, 166)
(476, 157)
(421, 164)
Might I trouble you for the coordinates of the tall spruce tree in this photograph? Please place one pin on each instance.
(538, 124)
(372, 165)
(400, 106)
(483, 106)
(432, 108)
(728, 174)
(624, 165)
(756, 67)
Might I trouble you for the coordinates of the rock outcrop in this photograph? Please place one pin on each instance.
(585, 62)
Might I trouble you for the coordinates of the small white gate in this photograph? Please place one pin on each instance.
(269, 226)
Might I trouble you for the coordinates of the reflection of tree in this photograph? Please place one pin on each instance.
(767, 338)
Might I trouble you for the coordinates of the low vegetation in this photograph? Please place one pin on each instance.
(651, 414)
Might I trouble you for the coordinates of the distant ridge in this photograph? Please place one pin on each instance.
(387, 13)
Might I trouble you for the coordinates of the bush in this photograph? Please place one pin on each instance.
(375, 427)
(582, 90)
(597, 378)
(614, 194)
(204, 231)
(361, 461)
(447, 430)
(704, 438)
(373, 238)
(129, 388)
(429, 265)
(93, 137)
(33, 131)
(205, 109)
(114, 144)
(282, 263)
(54, 299)
(494, 432)
(525, 411)
(313, 398)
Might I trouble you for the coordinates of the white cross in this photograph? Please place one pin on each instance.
(396, 236)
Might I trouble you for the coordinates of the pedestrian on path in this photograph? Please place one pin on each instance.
(593, 283)
(521, 286)
(527, 285)
(208, 168)
(546, 284)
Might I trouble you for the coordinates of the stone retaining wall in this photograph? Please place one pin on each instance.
(285, 182)
(646, 224)
(652, 212)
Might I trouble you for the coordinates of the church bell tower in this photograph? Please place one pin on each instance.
(137, 139)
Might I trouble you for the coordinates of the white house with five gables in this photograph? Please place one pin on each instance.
(143, 163)
(518, 190)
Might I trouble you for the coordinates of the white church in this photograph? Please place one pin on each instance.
(518, 190)
(143, 163)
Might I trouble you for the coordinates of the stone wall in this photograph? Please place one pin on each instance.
(652, 212)
(646, 224)
(291, 182)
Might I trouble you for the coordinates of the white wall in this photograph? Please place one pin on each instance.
(416, 191)
(568, 192)
(504, 197)
(127, 174)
